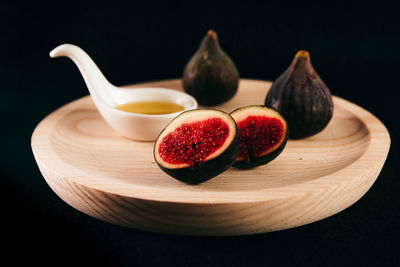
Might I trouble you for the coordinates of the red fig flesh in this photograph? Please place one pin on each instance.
(263, 135)
(197, 145)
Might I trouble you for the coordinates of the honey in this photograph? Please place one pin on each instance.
(150, 107)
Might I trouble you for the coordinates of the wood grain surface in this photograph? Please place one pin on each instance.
(115, 179)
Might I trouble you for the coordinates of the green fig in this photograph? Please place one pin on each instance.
(302, 97)
(210, 76)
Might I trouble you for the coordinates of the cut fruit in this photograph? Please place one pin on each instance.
(263, 135)
(197, 145)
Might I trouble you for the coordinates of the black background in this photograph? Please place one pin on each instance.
(354, 48)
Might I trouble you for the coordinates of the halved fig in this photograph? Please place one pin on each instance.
(197, 145)
(263, 135)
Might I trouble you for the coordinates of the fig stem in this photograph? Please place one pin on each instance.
(210, 42)
(212, 34)
(302, 54)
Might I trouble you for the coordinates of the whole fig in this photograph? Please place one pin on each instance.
(210, 75)
(303, 99)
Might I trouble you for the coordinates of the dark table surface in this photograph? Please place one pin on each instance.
(355, 49)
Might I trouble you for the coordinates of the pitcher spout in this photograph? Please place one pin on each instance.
(99, 87)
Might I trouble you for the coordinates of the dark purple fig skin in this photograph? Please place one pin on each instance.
(210, 75)
(302, 98)
(207, 169)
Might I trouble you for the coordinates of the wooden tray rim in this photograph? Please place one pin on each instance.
(378, 148)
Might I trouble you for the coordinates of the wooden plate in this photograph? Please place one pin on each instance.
(114, 179)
